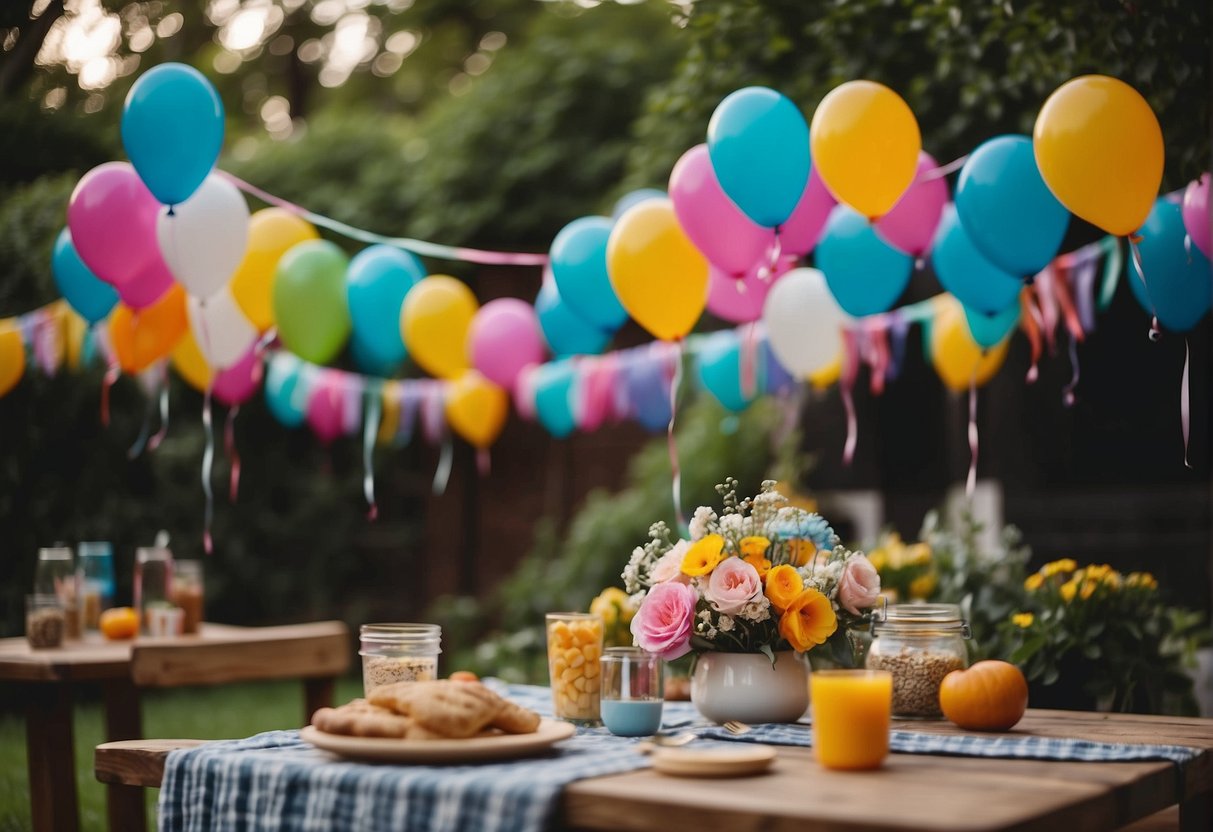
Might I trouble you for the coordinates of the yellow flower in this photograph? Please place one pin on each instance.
(808, 621)
(918, 554)
(923, 585)
(753, 546)
(1023, 619)
(760, 563)
(613, 606)
(1034, 582)
(1068, 589)
(890, 594)
(783, 585)
(1057, 567)
(879, 559)
(703, 556)
(1142, 579)
(1088, 589)
(800, 552)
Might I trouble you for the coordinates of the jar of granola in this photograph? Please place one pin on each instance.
(920, 644)
(398, 653)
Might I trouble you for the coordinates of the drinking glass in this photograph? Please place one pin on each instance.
(631, 691)
(851, 713)
(97, 587)
(153, 581)
(56, 575)
(187, 592)
(574, 648)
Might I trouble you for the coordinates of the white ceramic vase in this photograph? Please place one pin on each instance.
(747, 688)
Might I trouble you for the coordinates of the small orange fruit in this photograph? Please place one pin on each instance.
(464, 676)
(119, 623)
(989, 696)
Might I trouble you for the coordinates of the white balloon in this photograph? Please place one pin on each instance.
(204, 239)
(221, 329)
(803, 322)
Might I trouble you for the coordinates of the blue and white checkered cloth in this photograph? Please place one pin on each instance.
(275, 782)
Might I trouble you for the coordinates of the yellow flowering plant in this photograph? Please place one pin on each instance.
(1090, 631)
(764, 575)
(908, 572)
(616, 609)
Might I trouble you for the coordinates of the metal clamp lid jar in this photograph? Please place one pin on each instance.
(920, 644)
(398, 653)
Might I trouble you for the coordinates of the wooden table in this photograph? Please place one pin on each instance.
(316, 652)
(912, 791)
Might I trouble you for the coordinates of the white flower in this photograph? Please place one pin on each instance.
(758, 610)
(705, 615)
(699, 522)
(734, 525)
(726, 623)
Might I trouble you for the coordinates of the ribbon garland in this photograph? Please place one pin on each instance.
(971, 480)
(233, 453)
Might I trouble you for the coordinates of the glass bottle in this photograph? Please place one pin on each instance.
(56, 575)
(398, 653)
(919, 644)
(153, 582)
(97, 584)
(187, 592)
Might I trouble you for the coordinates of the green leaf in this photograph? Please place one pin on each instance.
(768, 652)
(1028, 649)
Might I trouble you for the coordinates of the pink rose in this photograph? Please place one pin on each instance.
(733, 584)
(663, 623)
(859, 586)
(669, 567)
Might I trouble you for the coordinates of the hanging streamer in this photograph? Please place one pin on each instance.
(1029, 321)
(1184, 408)
(233, 453)
(748, 363)
(420, 247)
(208, 460)
(1067, 395)
(850, 369)
(1084, 294)
(971, 482)
(141, 440)
(370, 429)
(671, 442)
(484, 462)
(1155, 330)
(899, 332)
(442, 474)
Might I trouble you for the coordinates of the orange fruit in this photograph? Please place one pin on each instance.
(464, 676)
(119, 623)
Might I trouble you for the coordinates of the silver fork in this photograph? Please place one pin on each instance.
(666, 741)
(736, 728)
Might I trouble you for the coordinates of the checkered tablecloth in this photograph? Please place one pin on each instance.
(275, 782)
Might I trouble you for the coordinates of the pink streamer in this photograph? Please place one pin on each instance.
(971, 482)
(1184, 406)
(749, 361)
(850, 370)
(1029, 321)
(1049, 314)
(208, 459)
(1067, 397)
(233, 453)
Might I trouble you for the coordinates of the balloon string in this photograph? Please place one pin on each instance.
(421, 247)
(749, 362)
(442, 473)
(1069, 313)
(484, 462)
(971, 482)
(850, 369)
(1184, 406)
(1155, 330)
(1030, 323)
(1068, 397)
(208, 459)
(141, 440)
(158, 436)
(233, 453)
(370, 429)
(111, 378)
(943, 170)
(671, 442)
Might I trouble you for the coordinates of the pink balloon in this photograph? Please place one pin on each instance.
(239, 382)
(112, 217)
(1196, 213)
(910, 224)
(324, 406)
(505, 337)
(524, 392)
(718, 228)
(801, 231)
(740, 301)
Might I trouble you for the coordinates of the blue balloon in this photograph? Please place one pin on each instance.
(865, 274)
(1178, 277)
(376, 282)
(648, 392)
(579, 264)
(566, 332)
(759, 145)
(172, 129)
(286, 389)
(88, 294)
(776, 378)
(370, 364)
(965, 272)
(988, 330)
(720, 370)
(635, 198)
(1007, 210)
(553, 384)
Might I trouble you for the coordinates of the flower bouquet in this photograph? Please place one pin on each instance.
(761, 579)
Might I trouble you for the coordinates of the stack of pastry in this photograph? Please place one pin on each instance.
(434, 710)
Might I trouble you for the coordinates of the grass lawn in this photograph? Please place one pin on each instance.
(206, 713)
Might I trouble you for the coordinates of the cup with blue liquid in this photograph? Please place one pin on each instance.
(632, 693)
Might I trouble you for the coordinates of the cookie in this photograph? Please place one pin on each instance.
(361, 719)
(515, 719)
(455, 709)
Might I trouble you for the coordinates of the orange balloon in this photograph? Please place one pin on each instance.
(12, 355)
(144, 336)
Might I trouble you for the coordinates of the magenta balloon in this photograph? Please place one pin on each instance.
(112, 216)
(801, 231)
(1196, 214)
(239, 382)
(505, 337)
(324, 406)
(740, 301)
(910, 224)
(717, 227)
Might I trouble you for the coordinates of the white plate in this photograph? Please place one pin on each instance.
(714, 762)
(502, 746)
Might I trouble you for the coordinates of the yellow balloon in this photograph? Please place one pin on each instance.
(865, 142)
(75, 328)
(271, 231)
(434, 322)
(1099, 148)
(12, 355)
(957, 358)
(657, 273)
(190, 364)
(476, 409)
(827, 376)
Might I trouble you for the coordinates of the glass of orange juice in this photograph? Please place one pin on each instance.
(851, 712)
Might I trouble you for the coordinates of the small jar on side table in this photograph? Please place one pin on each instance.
(920, 644)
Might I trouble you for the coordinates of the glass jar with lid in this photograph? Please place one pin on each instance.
(398, 653)
(920, 644)
(56, 575)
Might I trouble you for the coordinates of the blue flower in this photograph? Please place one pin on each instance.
(804, 525)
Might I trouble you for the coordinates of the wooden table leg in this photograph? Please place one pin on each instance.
(52, 770)
(317, 693)
(1196, 813)
(123, 721)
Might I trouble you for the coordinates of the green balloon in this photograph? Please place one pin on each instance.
(310, 300)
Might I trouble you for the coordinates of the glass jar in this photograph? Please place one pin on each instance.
(398, 653)
(153, 582)
(56, 575)
(97, 585)
(919, 644)
(187, 593)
